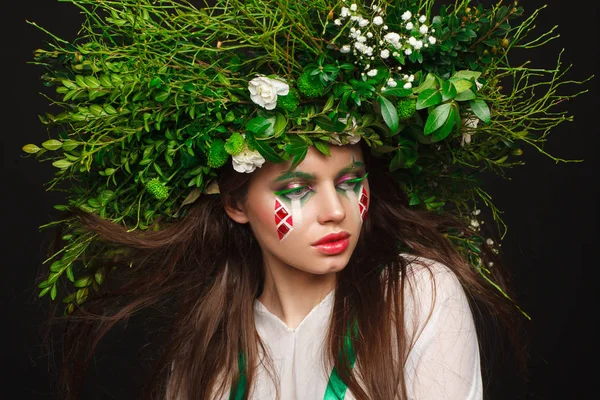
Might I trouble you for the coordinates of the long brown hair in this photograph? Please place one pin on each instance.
(203, 273)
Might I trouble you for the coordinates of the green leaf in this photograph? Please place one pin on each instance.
(83, 282)
(446, 128)
(430, 82)
(437, 117)
(52, 144)
(328, 124)
(62, 164)
(467, 74)
(465, 96)
(461, 84)
(389, 114)
(280, 124)
(322, 147)
(161, 96)
(428, 98)
(481, 109)
(258, 125)
(448, 91)
(266, 151)
(31, 148)
(397, 92)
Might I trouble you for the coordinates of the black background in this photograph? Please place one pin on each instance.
(550, 209)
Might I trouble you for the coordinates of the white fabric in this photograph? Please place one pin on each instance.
(443, 363)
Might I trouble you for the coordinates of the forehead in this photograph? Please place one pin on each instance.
(317, 163)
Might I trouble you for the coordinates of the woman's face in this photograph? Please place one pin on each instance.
(308, 218)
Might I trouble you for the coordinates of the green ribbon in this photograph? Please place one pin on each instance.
(336, 388)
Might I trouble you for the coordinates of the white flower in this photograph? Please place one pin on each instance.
(489, 241)
(345, 48)
(423, 29)
(372, 72)
(409, 25)
(406, 16)
(392, 83)
(385, 53)
(432, 40)
(407, 85)
(361, 39)
(264, 91)
(353, 7)
(418, 44)
(345, 12)
(408, 52)
(369, 35)
(465, 139)
(337, 21)
(363, 22)
(351, 136)
(422, 19)
(412, 41)
(378, 20)
(474, 223)
(247, 160)
(411, 78)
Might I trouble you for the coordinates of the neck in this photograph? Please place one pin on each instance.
(291, 294)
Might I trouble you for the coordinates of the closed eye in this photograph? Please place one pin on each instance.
(350, 184)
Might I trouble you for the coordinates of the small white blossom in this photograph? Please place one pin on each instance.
(247, 160)
(408, 52)
(407, 85)
(474, 223)
(385, 27)
(353, 7)
(392, 83)
(476, 211)
(363, 22)
(369, 35)
(489, 242)
(337, 21)
(372, 72)
(406, 16)
(423, 29)
(361, 39)
(378, 20)
(345, 48)
(345, 12)
(395, 54)
(385, 53)
(418, 44)
(409, 25)
(355, 18)
(411, 78)
(412, 41)
(491, 264)
(422, 19)
(264, 91)
(432, 40)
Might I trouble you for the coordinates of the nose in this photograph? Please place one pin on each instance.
(331, 208)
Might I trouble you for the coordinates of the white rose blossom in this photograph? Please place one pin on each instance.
(423, 29)
(409, 25)
(264, 91)
(247, 160)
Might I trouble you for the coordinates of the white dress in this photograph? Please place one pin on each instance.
(443, 363)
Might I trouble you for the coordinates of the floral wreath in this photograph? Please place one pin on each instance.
(156, 96)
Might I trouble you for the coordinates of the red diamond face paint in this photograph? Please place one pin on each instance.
(363, 203)
(283, 219)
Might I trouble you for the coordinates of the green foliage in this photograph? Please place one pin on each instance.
(154, 97)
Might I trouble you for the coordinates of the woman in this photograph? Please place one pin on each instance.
(241, 283)
(336, 255)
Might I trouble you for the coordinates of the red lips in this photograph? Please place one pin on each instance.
(332, 237)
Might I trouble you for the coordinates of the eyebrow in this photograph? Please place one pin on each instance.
(311, 177)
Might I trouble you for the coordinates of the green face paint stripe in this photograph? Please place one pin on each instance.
(286, 191)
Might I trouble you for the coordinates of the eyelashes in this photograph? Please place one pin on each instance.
(296, 192)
